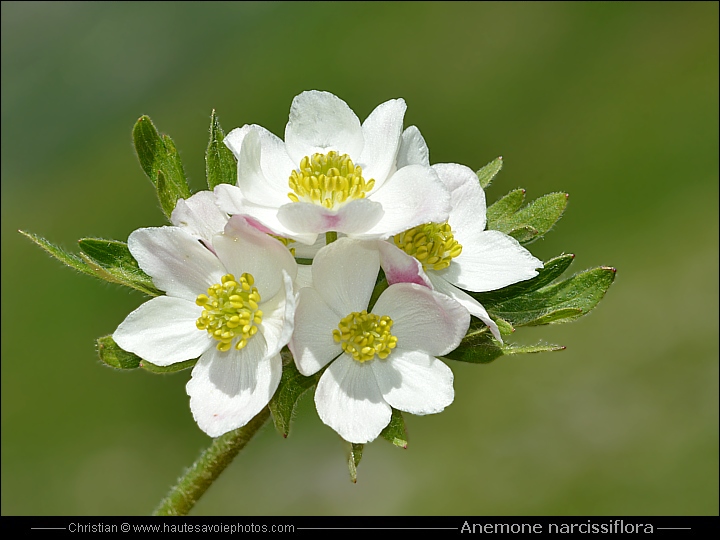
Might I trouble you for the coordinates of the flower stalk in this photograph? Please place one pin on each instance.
(213, 461)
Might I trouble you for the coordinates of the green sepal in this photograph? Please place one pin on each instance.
(161, 162)
(112, 261)
(551, 270)
(504, 327)
(165, 370)
(112, 355)
(220, 164)
(506, 206)
(395, 431)
(356, 451)
(534, 220)
(489, 171)
(557, 303)
(485, 349)
(292, 387)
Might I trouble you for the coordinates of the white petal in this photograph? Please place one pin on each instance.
(414, 381)
(320, 122)
(231, 200)
(399, 267)
(163, 331)
(355, 216)
(349, 401)
(228, 389)
(304, 251)
(489, 261)
(278, 317)
(413, 149)
(245, 249)
(412, 196)
(235, 138)
(200, 216)
(275, 161)
(304, 276)
(312, 343)
(177, 263)
(344, 274)
(381, 131)
(468, 302)
(254, 185)
(423, 320)
(468, 210)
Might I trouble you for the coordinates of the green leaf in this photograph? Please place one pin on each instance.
(395, 431)
(524, 234)
(488, 172)
(505, 207)
(70, 259)
(220, 164)
(356, 451)
(148, 145)
(292, 387)
(165, 370)
(560, 302)
(161, 162)
(113, 262)
(112, 355)
(551, 270)
(167, 198)
(487, 349)
(535, 219)
(381, 283)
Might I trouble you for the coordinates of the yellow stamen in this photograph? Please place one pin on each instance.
(433, 244)
(231, 311)
(363, 335)
(286, 242)
(328, 180)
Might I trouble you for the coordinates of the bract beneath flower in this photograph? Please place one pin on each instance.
(333, 174)
(379, 359)
(233, 306)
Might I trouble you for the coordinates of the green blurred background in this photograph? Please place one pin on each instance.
(615, 103)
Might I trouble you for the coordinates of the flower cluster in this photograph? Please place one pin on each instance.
(394, 244)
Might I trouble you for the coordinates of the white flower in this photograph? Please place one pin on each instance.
(200, 216)
(232, 307)
(332, 173)
(460, 253)
(379, 360)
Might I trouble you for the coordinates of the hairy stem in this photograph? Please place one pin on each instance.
(200, 476)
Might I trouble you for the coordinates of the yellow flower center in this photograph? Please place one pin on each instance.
(231, 311)
(328, 180)
(363, 335)
(433, 244)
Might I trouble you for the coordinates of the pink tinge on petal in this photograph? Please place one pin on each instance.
(399, 267)
(255, 224)
(330, 221)
(352, 217)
